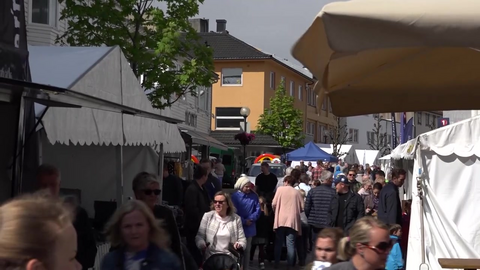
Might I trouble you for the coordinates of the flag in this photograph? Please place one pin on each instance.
(394, 131)
(409, 129)
(403, 134)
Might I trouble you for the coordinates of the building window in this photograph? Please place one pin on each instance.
(228, 118)
(203, 95)
(272, 80)
(353, 135)
(43, 12)
(311, 96)
(300, 93)
(370, 137)
(232, 76)
(282, 81)
(427, 119)
(292, 88)
(310, 128)
(419, 118)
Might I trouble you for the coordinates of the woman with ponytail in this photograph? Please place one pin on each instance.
(366, 248)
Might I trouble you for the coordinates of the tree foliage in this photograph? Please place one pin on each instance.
(282, 121)
(378, 140)
(339, 136)
(163, 49)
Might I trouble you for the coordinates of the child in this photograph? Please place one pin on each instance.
(264, 226)
(395, 258)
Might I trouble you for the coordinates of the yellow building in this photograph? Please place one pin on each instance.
(249, 77)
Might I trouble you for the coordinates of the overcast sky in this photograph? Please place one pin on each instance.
(270, 25)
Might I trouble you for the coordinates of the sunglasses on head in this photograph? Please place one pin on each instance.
(381, 247)
(150, 191)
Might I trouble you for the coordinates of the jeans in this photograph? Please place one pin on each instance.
(302, 245)
(246, 253)
(285, 235)
(315, 232)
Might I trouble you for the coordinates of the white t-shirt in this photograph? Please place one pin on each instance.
(222, 237)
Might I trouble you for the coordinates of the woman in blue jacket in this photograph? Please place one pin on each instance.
(248, 208)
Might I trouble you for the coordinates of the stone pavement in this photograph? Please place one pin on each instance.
(283, 264)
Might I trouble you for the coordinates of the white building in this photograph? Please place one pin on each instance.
(43, 21)
(457, 116)
(361, 130)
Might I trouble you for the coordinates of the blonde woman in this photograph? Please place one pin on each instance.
(140, 242)
(220, 228)
(366, 248)
(37, 233)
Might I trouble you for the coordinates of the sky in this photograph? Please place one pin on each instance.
(270, 25)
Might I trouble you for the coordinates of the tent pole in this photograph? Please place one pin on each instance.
(119, 178)
(161, 157)
(422, 229)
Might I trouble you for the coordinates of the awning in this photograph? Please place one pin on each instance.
(52, 96)
(204, 139)
(407, 55)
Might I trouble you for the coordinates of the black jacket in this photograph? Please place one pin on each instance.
(197, 203)
(87, 245)
(318, 204)
(389, 206)
(353, 211)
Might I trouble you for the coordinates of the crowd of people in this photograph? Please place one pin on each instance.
(323, 211)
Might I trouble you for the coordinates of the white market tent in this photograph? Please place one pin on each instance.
(347, 151)
(385, 163)
(446, 164)
(99, 152)
(367, 156)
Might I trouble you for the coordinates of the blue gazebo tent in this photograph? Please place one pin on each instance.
(310, 152)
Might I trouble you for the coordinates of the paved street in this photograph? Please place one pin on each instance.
(283, 264)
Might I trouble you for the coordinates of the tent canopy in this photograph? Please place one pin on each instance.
(310, 152)
(104, 73)
(367, 156)
(447, 161)
(347, 152)
(418, 52)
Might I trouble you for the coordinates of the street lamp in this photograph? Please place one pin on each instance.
(245, 112)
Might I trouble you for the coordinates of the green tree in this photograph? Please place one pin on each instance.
(282, 121)
(164, 51)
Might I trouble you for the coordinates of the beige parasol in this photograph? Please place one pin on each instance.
(373, 56)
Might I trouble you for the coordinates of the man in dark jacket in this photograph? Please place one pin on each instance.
(197, 203)
(389, 205)
(318, 203)
(213, 185)
(347, 206)
(48, 178)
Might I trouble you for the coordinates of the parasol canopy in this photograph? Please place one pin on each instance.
(402, 55)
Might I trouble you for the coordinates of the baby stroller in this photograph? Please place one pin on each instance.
(225, 261)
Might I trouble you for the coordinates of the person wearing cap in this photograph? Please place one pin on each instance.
(346, 207)
(248, 208)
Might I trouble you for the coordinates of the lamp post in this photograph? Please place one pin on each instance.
(245, 112)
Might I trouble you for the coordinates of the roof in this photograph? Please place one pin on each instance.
(227, 137)
(63, 66)
(228, 47)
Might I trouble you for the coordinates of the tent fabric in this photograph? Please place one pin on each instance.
(92, 169)
(347, 151)
(440, 141)
(383, 48)
(104, 73)
(310, 152)
(447, 161)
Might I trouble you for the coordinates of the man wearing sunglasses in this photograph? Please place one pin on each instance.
(355, 186)
(346, 206)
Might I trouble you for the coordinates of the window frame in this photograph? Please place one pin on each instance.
(272, 80)
(292, 88)
(300, 92)
(235, 84)
(53, 14)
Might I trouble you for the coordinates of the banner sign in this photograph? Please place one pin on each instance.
(394, 132)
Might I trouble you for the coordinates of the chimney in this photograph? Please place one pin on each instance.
(200, 25)
(221, 25)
